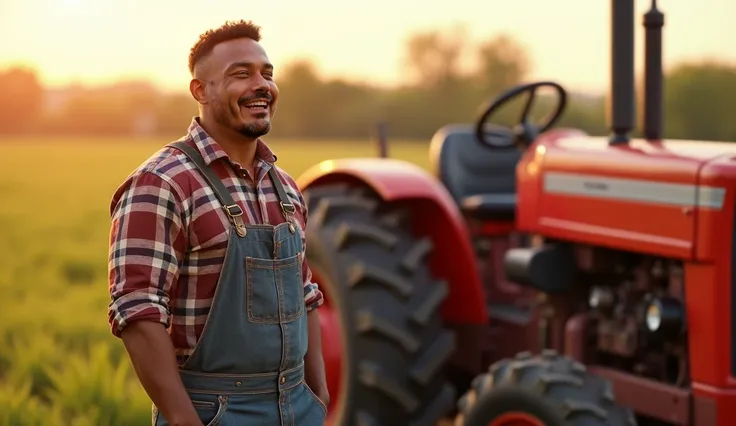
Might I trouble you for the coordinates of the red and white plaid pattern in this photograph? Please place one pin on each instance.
(169, 234)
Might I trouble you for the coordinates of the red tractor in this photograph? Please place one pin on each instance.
(594, 275)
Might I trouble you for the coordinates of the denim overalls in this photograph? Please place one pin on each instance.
(248, 366)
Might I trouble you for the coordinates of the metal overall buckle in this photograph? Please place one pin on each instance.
(235, 214)
(288, 210)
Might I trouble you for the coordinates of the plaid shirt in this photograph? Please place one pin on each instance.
(169, 234)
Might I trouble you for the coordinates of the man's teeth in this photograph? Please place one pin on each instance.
(253, 105)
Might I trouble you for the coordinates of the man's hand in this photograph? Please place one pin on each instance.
(314, 373)
(323, 394)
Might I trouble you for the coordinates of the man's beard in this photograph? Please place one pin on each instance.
(251, 130)
(255, 130)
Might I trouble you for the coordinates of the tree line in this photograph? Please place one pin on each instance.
(698, 97)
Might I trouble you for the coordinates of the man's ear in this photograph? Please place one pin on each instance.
(198, 89)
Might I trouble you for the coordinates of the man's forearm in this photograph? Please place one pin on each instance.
(314, 363)
(154, 360)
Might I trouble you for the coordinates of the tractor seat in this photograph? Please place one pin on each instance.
(481, 180)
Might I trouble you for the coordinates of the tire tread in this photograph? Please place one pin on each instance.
(558, 383)
(384, 268)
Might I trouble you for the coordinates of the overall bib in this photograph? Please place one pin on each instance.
(248, 366)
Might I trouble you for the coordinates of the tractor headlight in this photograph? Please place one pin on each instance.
(665, 317)
(654, 316)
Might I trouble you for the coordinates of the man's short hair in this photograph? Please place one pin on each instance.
(230, 30)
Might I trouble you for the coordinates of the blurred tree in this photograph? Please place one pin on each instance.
(174, 113)
(585, 112)
(443, 88)
(124, 108)
(303, 105)
(699, 101)
(21, 100)
(447, 89)
(503, 64)
(435, 57)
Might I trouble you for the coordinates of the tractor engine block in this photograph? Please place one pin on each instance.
(634, 304)
(637, 315)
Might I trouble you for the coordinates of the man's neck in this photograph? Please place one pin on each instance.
(240, 149)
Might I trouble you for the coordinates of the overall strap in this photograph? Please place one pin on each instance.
(287, 207)
(233, 211)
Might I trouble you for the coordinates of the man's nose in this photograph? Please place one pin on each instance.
(260, 84)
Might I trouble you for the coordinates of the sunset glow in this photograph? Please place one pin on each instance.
(105, 40)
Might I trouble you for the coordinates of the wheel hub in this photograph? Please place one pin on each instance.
(516, 419)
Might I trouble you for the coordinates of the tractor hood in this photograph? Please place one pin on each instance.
(643, 196)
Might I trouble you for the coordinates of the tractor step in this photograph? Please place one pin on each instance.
(509, 313)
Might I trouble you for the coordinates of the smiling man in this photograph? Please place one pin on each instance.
(210, 289)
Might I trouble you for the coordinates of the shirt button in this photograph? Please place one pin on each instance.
(283, 380)
(237, 384)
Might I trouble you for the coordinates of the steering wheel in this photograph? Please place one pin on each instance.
(525, 132)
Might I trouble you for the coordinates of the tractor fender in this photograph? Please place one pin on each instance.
(434, 214)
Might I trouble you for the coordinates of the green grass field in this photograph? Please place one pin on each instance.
(59, 364)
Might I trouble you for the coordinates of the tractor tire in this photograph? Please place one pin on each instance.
(375, 274)
(544, 390)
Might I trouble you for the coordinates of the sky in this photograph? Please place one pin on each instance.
(100, 41)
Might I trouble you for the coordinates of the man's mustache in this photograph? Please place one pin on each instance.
(264, 96)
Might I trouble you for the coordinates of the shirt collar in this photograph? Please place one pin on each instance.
(212, 151)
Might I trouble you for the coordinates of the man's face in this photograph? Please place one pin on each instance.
(241, 93)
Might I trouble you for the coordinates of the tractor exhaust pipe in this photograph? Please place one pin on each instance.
(621, 99)
(653, 76)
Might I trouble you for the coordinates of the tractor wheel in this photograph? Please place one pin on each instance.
(383, 339)
(545, 390)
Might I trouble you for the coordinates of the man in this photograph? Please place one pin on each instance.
(207, 243)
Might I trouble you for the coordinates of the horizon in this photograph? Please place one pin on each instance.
(129, 45)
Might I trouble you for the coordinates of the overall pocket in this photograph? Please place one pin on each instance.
(210, 409)
(314, 396)
(274, 289)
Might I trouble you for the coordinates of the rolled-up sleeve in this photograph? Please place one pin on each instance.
(147, 242)
(313, 297)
